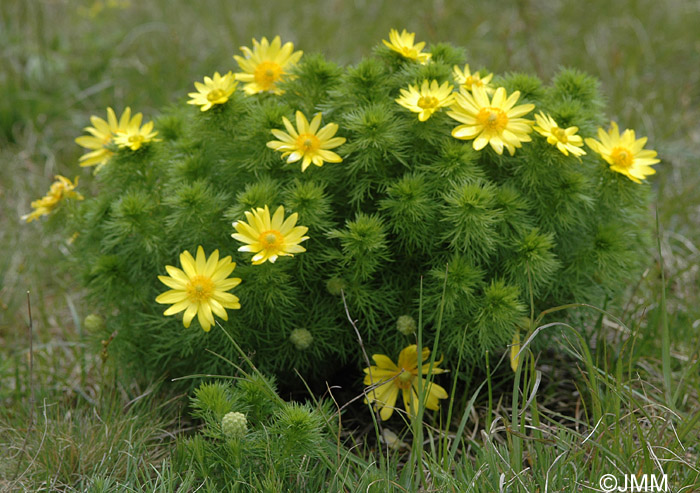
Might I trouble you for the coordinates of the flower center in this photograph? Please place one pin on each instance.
(473, 80)
(271, 239)
(560, 135)
(267, 73)
(308, 143)
(215, 94)
(135, 139)
(622, 157)
(409, 52)
(428, 102)
(494, 119)
(404, 380)
(200, 288)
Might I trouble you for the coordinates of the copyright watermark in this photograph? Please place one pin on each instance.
(630, 483)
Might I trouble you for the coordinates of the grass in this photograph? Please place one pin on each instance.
(73, 441)
(619, 396)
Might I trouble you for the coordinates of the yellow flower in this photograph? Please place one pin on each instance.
(386, 379)
(496, 121)
(307, 143)
(468, 80)
(199, 288)
(61, 189)
(101, 136)
(429, 99)
(266, 65)
(565, 139)
(134, 135)
(624, 153)
(213, 91)
(403, 44)
(270, 238)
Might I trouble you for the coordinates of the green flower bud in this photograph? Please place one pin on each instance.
(334, 285)
(93, 322)
(301, 338)
(234, 425)
(406, 325)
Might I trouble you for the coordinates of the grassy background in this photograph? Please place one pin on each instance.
(62, 60)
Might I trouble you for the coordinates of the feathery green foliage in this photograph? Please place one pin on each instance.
(282, 444)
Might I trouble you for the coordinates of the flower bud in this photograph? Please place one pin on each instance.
(234, 425)
(93, 322)
(406, 325)
(335, 285)
(301, 338)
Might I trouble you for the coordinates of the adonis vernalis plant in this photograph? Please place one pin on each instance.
(411, 202)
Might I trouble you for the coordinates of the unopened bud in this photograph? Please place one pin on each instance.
(406, 325)
(234, 425)
(301, 338)
(335, 285)
(93, 322)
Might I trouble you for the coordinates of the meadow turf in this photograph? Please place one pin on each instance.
(599, 404)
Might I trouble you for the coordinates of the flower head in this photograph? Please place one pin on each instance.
(101, 137)
(429, 99)
(134, 135)
(624, 153)
(496, 121)
(403, 44)
(266, 65)
(213, 91)
(269, 238)
(307, 143)
(468, 80)
(199, 288)
(565, 139)
(387, 379)
(61, 189)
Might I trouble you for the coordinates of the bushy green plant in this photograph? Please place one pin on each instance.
(251, 440)
(411, 216)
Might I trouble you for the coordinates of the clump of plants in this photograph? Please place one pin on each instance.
(407, 187)
(251, 440)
